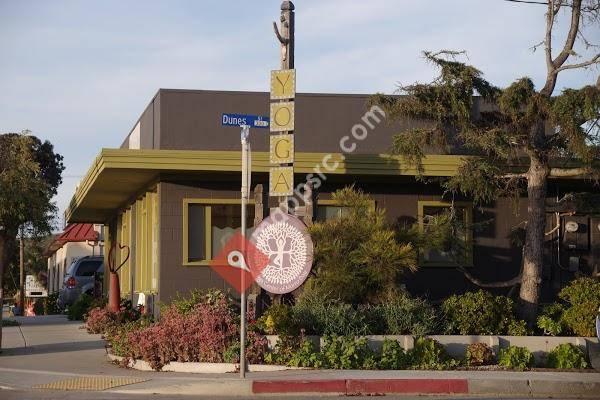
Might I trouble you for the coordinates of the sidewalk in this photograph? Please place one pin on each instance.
(58, 350)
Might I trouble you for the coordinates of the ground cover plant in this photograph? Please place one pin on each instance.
(567, 356)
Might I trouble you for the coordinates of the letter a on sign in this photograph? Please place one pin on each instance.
(283, 84)
(281, 181)
(282, 149)
(282, 116)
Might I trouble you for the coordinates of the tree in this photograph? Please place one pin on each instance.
(30, 173)
(357, 255)
(521, 137)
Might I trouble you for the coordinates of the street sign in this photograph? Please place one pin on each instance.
(281, 181)
(253, 121)
(34, 288)
(281, 149)
(283, 84)
(285, 241)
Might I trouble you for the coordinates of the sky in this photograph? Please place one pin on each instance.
(79, 73)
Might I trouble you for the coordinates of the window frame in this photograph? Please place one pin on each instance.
(207, 203)
(335, 203)
(468, 218)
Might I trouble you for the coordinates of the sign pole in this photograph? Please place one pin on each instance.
(285, 36)
(246, 157)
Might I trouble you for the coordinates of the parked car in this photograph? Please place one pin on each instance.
(80, 279)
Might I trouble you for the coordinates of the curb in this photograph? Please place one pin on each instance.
(363, 386)
(495, 387)
(200, 367)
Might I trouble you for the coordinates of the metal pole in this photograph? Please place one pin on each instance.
(22, 273)
(245, 191)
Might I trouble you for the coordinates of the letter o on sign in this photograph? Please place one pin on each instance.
(282, 116)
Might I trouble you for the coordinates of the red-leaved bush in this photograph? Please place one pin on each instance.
(202, 334)
(99, 320)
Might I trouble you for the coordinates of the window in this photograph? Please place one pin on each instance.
(88, 268)
(329, 208)
(208, 225)
(461, 213)
(325, 212)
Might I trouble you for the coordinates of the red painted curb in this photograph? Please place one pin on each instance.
(371, 386)
(298, 386)
(363, 386)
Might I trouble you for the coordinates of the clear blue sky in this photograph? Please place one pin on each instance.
(79, 73)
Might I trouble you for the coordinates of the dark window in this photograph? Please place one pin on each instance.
(325, 212)
(210, 226)
(196, 232)
(88, 268)
(226, 219)
(449, 255)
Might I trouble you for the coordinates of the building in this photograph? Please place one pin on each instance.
(171, 192)
(76, 241)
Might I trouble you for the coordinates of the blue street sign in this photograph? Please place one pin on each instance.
(254, 121)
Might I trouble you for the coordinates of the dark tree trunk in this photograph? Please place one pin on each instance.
(533, 253)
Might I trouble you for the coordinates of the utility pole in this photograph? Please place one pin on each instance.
(22, 273)
(285, 35)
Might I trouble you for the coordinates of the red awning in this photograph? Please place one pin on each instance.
(73, 233)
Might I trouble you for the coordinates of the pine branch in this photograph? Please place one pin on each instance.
(514, 281)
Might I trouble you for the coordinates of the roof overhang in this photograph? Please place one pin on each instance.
(117, 176)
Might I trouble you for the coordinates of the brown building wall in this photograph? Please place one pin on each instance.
(191, 120)
(494, 257)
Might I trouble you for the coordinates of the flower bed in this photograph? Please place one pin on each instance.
(203, 329)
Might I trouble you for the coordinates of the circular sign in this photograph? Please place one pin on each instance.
(284, 239)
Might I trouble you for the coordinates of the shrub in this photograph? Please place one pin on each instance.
(479, 313)
(567, 355)
(38, 307)
(429, 354)
(583, 296)
(232, 354)
(358, 256)
(278, 319)
(10, 322)
(347, 352)
(518, 327)
(319, 315)
(99, 320)
(284, 351)
(203, 333)
(404, 315)
(185, 304)
(550, 320)
(393, 356)
(51, 304)
(479, 354)
(117, 336)
(80, 307)
(515, 357)
(306, 356)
